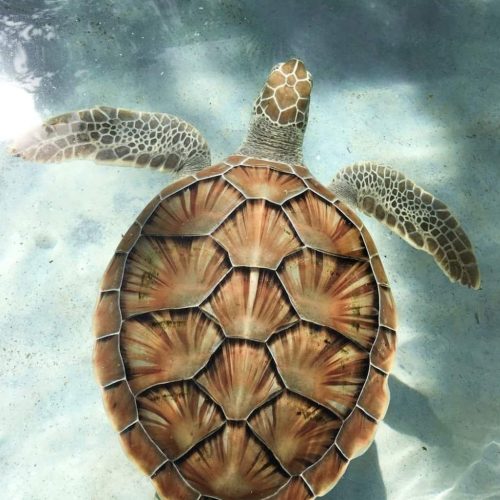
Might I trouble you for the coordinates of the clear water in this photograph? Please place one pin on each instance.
(413, 84)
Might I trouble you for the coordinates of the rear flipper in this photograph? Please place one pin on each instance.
(117, 136)
(415, 215)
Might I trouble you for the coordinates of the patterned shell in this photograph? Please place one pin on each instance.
(244, 335)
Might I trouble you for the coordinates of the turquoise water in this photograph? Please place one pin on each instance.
(415, 85)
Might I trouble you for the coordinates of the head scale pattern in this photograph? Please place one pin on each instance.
(284, 100)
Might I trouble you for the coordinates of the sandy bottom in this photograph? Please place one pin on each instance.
(415, 87)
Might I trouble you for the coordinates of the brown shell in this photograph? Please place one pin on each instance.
(244, 335)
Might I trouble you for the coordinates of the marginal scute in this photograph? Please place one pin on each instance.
(194, 211)
(251, 304)
(257, 235)
(165, 346)
(302, 171)
(326, 473)
(235, 160)
(148, 210)
(141, 449)
(334, 292)
(240, 378)
(356, 434)
(108, 364)
(370, 244)
(177, 186)
(232, 464)
(112, 278)
(171, 273)
(374, 398)
(323, 227)
(378, 270)
(107, 316)
(129, 239)
(321, 365)
(170, 486)
(349, 214)
(319, 189)
(295, 489)
(296, 430)
(177, 416)
(261, 182)
(384, 349)
(255, 162)
(213, 171)
(387, 308)
(120, 405)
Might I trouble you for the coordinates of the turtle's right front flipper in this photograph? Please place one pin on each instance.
(117, 136)
(414, 214)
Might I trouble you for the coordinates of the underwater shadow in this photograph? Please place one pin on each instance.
(363, 479)
(413, 415)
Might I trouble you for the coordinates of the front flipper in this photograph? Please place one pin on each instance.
(117, 136)
(421, 219)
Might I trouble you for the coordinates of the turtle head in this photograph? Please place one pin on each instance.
(284, 100)
(280, 114)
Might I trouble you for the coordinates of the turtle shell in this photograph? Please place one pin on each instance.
(244, 334)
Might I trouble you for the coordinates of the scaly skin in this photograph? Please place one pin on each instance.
(414, 214)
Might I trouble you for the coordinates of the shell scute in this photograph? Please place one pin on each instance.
(177, 416)
(112, 278)
(120, 404)
(107, 315)
(262, 182)
(130, 238)
(296, 430)
(374, 398)
(194, 211)
(233, 464)
(379, 271)
(257, 234)
(148, 210)
(333, 291)
(319, 189)
(295, 489)
(251, 304)
(384, 349)
(321, 365)
(177, 186)
(171, 273)
(387, 308)
(165, 346)
(240, 378)
(356, 434)
(213, 171)
(326, 473)
(275, 165)
(169, 484)
(323, 227)
(108, 364)
(139, 447)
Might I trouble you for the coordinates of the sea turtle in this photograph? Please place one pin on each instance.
(245, 327)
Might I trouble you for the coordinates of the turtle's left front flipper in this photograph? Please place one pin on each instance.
(117, 136)
(421, 219)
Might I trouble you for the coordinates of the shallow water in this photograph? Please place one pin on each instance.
(415, 85)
